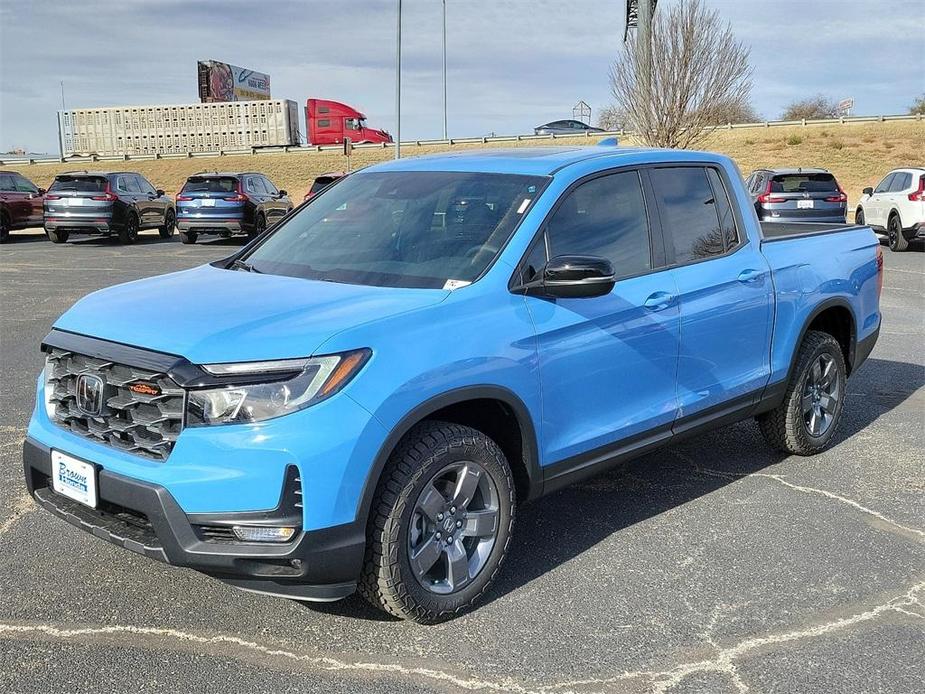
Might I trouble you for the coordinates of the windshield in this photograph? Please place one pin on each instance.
(80, 184)
(804, 183)
(400, 229)
(201, 184)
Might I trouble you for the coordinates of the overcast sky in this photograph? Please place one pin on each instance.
(513, 64)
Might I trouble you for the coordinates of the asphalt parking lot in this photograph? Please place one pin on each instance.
(712, 566)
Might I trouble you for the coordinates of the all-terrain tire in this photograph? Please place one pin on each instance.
(785, 427)
(388, 580)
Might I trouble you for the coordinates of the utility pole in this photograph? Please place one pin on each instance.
(445, 137)
(398, 85)
(63, 107)
(644, 40)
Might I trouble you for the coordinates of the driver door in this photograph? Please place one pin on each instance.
(607, 364)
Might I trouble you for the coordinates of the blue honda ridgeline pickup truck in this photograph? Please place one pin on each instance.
(360, 398)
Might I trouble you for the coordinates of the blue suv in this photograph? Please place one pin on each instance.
(362, 398)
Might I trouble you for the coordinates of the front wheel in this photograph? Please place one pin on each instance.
(170, 221)
(859, 216)
(5, 226)
(805, 422)
(440, 523)
(894, 231)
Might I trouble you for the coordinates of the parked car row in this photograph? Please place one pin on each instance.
(895, 209)
(120, 204)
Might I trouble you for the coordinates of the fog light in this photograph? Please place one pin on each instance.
(247, 533)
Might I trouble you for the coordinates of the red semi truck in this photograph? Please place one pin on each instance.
(329, 122)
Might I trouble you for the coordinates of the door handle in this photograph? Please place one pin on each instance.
(750, 276)
(658, 301)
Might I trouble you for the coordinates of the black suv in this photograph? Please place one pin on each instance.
(103, 203)
(229, 203)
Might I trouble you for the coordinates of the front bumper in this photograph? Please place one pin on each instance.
(144, 518)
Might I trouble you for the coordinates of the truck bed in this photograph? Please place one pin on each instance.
(775, 231)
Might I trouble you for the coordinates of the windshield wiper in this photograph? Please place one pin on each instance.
(239, 264)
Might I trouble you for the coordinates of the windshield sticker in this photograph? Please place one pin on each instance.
(455, 284)
(523, 206)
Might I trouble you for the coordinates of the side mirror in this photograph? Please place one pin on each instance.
(283, 193)
(159, 193)
(868, 191)
(574, 277)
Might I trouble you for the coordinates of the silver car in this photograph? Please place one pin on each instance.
(565, 127)
(797, 195)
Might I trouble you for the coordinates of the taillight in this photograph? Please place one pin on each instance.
(107, 196)
(841, 197)
(879, 269)
(51, 196)
(919, 195)
(766, 196)
(183, 198)
(239, 197)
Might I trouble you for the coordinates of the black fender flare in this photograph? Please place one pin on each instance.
(834, 302)
(438, 402)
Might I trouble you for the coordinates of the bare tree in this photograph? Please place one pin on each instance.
(816, 107)
(695, 68)
(918, 106)
(739, 112)
(611, 118)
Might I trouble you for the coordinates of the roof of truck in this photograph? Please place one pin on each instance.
(541, 161)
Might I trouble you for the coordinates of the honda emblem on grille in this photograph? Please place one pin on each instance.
(90, 394)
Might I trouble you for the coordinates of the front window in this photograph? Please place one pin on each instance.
(401, 229)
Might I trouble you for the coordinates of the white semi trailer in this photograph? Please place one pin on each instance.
(178, 129)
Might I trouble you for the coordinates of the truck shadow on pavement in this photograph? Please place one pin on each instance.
(566, 524)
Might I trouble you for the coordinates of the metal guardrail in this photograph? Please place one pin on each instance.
(427, 143)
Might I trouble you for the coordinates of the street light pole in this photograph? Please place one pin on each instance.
(398, 85)
(444, 71)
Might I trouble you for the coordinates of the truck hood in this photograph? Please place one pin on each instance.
(211, 315)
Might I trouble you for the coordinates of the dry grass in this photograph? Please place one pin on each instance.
(858, 154)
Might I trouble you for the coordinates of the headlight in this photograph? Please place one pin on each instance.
(314, 380)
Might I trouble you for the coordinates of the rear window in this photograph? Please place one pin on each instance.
(79, 184)
(804, 183)
(322, 182)
(210, 184)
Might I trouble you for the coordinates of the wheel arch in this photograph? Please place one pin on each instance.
(470, 405)
(835, 317)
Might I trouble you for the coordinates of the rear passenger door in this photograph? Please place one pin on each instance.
(724, 288)
(607, 364)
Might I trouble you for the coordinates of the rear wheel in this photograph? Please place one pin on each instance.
(4, 227)
(894, 232)
(170, 221)
(57, 236)
(440, 523)
(260, 226)
(805, 422)
(188, 236)
(129, 231)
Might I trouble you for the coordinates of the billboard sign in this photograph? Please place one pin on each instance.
(844, 107)
(220, 81)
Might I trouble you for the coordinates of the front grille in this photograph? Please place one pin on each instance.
(145, 423)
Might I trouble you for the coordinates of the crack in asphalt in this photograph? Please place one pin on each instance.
(724, 660)
(913, 533)
(21, 506)
(659, 681)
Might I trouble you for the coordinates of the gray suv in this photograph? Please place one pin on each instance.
(797, 195)
(119, 203)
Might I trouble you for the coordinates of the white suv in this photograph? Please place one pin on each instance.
(896, 207)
